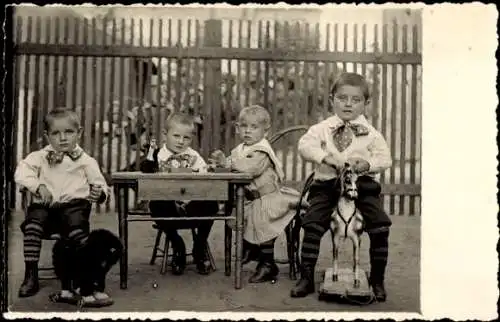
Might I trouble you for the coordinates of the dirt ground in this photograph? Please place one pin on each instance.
(216, 293)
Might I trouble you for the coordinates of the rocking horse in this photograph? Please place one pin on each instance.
(346, 223)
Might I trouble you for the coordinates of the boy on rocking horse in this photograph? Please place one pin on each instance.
(346, 137)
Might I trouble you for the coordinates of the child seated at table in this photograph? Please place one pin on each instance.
(177, 153)
(64, 181)
(268, 207)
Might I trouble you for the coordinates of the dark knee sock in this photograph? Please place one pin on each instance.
(267, 251)
(78, 237)
(311, 243)
(33, 233)
(379, 251)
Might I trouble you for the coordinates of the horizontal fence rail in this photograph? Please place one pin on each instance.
(124, 76)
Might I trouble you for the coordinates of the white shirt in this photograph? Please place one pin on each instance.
(317, 143)
(199, 164)
(66, 181)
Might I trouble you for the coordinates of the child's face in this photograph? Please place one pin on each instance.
(349, 102)
(251, 130)
(179, 137)
(63, 135)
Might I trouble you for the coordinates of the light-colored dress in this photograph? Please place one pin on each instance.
(266, 216)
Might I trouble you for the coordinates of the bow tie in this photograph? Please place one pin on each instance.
(55, 157)
(342, 134)
(357, 129)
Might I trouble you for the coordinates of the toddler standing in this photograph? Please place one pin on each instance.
(268, 206)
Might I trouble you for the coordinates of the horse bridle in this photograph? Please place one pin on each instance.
(341, 176)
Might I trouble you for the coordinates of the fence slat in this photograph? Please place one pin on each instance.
(74, 69)
(413, 123)
(403, 133)
(121, 114)
(394, 120)
(47, 89)
(384, 101)
(376, 83)
(326, 92)
(27, 122)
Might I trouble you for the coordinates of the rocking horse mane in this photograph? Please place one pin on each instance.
(347, 179)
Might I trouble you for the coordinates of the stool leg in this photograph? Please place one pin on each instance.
(290, 252)
(155, 248)
(164, 261)
(210, 257)
(228, 235)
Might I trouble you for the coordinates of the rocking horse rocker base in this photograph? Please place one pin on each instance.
(343, 290)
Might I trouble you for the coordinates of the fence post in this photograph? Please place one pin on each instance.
(211, 93)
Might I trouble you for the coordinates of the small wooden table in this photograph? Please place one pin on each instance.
(183, 186)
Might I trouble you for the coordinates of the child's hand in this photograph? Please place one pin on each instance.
(44, 194)
(95, 193)
(359, 165)
(331, 161)
(152, 147)
(218, 158)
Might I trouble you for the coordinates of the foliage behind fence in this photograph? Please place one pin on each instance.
(124, 83)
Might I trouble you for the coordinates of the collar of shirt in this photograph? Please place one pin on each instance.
(165, 153)
(75, 154)
(335, 121)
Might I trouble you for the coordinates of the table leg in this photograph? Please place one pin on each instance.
(228, 232)
(123, 232)
(239, 235)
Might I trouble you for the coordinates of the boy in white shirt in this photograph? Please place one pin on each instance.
(177, 153)
(64, 181)
(345, 137)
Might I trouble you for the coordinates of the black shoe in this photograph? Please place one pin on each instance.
(203, 265)
(265, 272)
(379, 292)
(249, 255)
(179, 255)
(305, 285)
(30, 284)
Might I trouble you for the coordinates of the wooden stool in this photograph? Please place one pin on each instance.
(164, 252)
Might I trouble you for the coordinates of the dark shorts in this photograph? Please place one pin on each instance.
(60, 218)
(324, 195)
(195, 208)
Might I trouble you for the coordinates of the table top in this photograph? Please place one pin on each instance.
(120, 177)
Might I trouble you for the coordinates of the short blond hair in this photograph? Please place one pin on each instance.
(260, 112)
(180, 118)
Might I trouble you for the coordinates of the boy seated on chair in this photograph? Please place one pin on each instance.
(64, 181)
(345, 137)
(177, 153)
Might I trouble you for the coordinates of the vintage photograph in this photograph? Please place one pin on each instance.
(215, 158)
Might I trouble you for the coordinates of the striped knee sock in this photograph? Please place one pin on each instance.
(311, 243)
(379, 251)
(267, 251)
(33, 233)
(78, 236)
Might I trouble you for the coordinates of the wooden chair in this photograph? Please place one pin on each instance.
(49, 233)
(287, 139)
(165, 251)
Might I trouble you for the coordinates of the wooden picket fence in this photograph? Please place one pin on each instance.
(93, 66)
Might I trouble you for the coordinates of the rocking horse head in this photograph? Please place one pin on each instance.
(348, 178)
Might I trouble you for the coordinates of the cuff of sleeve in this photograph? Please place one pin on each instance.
(33, 189)
(320, 156)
